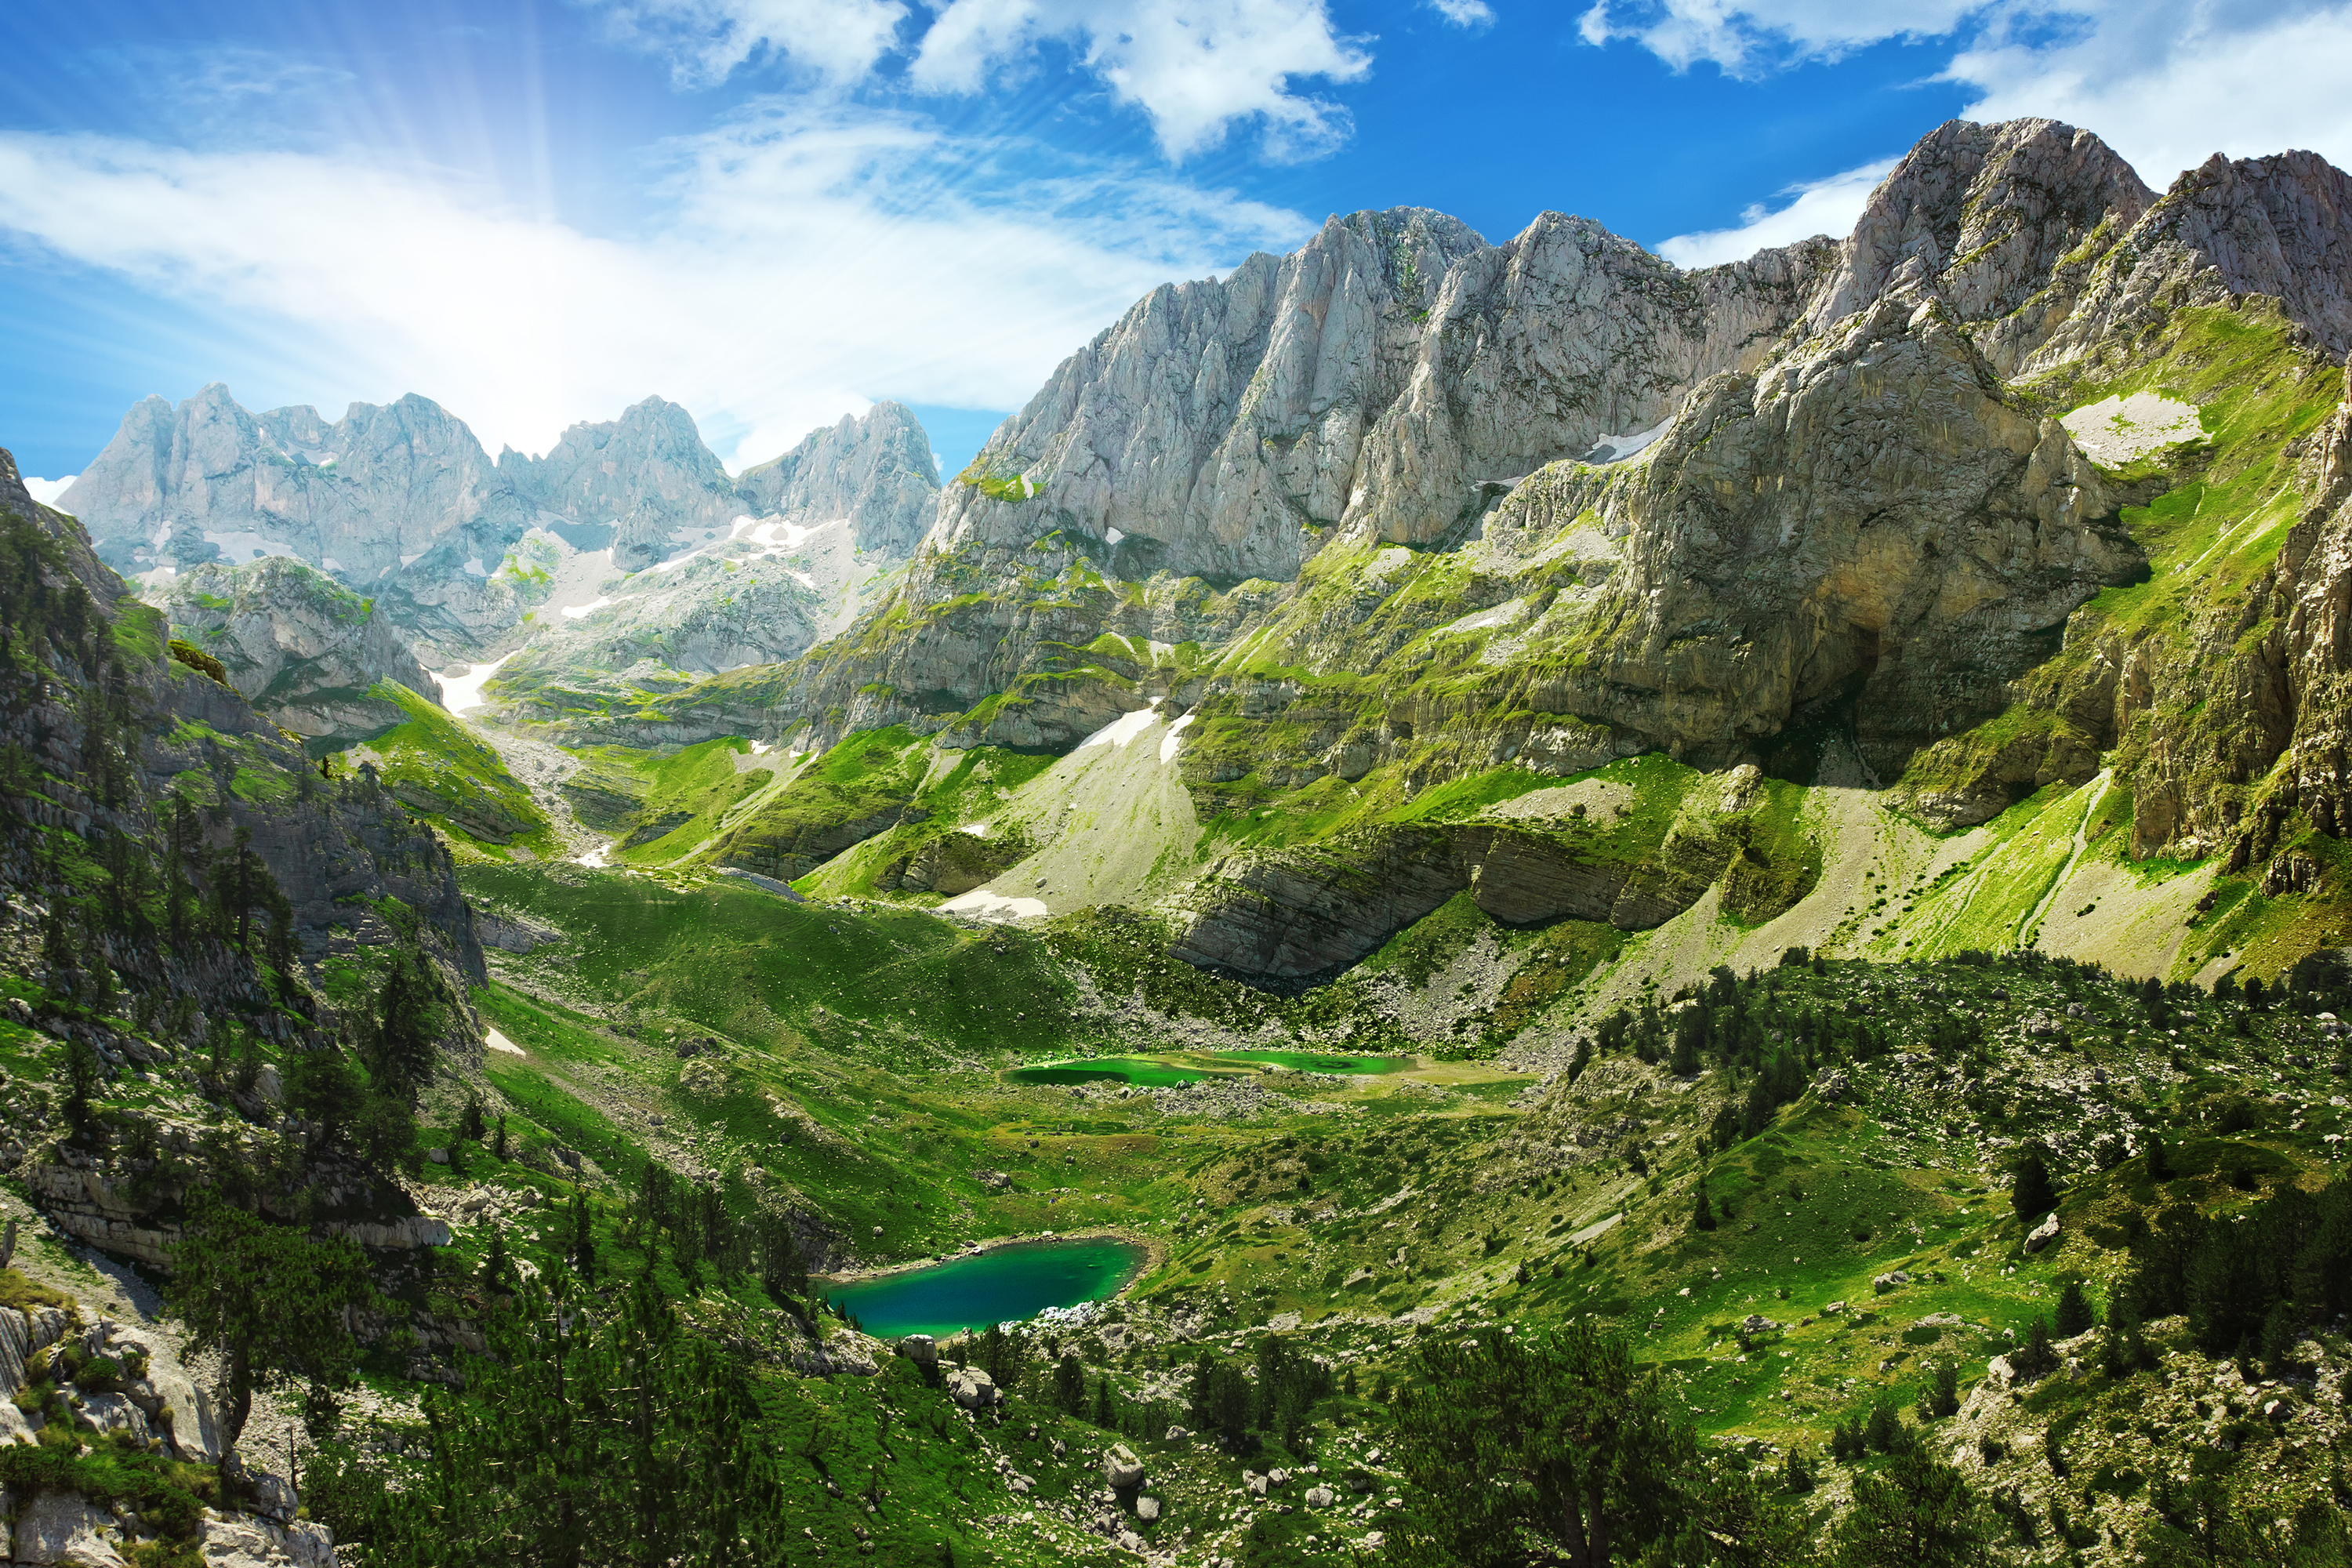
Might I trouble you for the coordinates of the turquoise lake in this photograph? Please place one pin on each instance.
(1000, 1286)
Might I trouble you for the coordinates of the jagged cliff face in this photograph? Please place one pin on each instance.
(367, 496)
(875, 474)
(402, 502)
(1375, 379)
(106, 769)
(306, 651)
(642, 479)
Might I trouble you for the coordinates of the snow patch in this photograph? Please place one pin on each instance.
(1168, 744)
(1617, 448)
(2115, 430)
(977, 829)
(245, 545)
(498, 1042)
(1113, 537)
(47, 491)
(330, 563)
(474, 567)
(989, 906)
(596, 857)
(461, 686)
(574, 612)
(1124, 728)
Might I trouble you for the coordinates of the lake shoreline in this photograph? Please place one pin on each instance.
(1155, 1254)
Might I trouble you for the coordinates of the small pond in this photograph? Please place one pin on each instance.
(999, 1286)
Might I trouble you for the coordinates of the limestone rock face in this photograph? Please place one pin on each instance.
(646, 477)
(401, 502)
(2002, 223)
(1873, 509)
(2280, 226)
(1375, 377)
(875, 472)
(60, 1528)
(363, 497)
(303, 649)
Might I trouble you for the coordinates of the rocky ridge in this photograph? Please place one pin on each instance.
(302, 649)
(401, 502)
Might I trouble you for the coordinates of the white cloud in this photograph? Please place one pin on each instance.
(1194, 67)
(1749, 39)
(1464, 13)
(1824, 206)
(47, 491)
(804, 262)
(707, 39)
(2169, 85)
(2166, 82)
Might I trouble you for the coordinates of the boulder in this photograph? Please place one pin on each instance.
(1122, 1469)
(973, 1388)
(2044, 1233)
(1147, 1508)
(60, 1528)
(921, 1349)
(110, 1412)
(1321, 1497)
(243, 1542)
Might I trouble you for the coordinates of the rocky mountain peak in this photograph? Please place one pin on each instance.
(1989, 218)
(646, 475)
(306, 651)
(876, 471)
(1385, 377)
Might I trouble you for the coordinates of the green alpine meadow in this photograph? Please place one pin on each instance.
(1461, 905)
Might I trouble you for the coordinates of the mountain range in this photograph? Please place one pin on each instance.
(1423, 782)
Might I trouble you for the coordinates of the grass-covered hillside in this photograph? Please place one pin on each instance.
(1837, 1207)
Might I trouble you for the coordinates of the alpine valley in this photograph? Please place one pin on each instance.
(1532, 908)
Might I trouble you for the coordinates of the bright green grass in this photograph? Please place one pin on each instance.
(454, 781)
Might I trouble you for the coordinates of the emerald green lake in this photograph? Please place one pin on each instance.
(1114, 1069)
(1000, 1286)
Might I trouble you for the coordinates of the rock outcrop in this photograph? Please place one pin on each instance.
(306, 651)
(874, 473)
(1374, 377)
(633, 484)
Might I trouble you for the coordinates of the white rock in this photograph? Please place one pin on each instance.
(2044, 1234)
(60, 1528)
(1121, 1468)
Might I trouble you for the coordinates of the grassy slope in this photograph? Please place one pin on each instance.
(1305, 1211)
(442, 772)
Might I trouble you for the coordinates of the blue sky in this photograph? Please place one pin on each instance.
(777, 211)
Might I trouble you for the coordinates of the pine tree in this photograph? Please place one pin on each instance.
(1070, 1384)
(1918, 1513)
(583, 1239)
(2073, 1315)
(498, 1142)
(268, 1299)
(2033, 1193)
(1703, 1214)
(495, 1267)
(1528, 1448)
